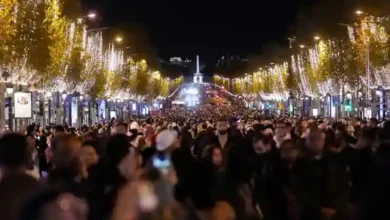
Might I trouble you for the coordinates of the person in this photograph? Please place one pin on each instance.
(123, 161)
(89, 154)
(135, 134)
(360, 160)
(238, 189)
(290, 153)
(119, 128)
(223, 140)
(15, 184)
(69, 170)
(15, 190)
(267, 177)
(324, 184)
(14, 154)
(33, 165)
(282, 133)
(53, 203)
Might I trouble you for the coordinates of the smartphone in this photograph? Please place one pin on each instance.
(161, 162)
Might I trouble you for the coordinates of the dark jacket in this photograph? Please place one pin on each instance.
(323, 183)
(230, 143)
(268, 186)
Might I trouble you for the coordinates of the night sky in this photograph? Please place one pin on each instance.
(212, 28)
(206, 27)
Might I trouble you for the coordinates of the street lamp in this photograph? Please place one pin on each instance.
(119, 39)
(10, 91)
(91, 15)
(317, 38)
(63, 95)
(358, 12)
(48, 97)
(302, 46)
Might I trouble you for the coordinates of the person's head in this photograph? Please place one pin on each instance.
(122, 155)
(59, 130)
(167, 140)
(367, 138)
(89, 154)
(222, 126)
(288, 127)
(66, 154)
(385, 132)
(315, 141)
(217, 156)
(15, 190)
(212, 154)
(234, 123)
(289, 151)
(119, 128)
(373, 123)
(262, 143)
(281, 129)
(148, 131)
(31, 142)
(13, 151)
(54, 204)
(30, 130)
(350, 130)
(340, 129)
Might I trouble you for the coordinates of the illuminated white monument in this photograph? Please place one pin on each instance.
(198, 77)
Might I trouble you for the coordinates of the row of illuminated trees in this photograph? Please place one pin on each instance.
(350, 62)
(47, 46)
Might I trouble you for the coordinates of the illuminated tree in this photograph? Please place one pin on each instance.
(8, 14)
(141, 78)
(58, 27)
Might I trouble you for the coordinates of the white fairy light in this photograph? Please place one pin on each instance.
(351, 34)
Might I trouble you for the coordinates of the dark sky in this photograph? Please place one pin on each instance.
(256, 29)
(206, 27)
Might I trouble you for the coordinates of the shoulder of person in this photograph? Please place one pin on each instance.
(223, 210)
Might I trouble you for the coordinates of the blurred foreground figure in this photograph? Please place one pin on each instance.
(15, 184)
(54, 204)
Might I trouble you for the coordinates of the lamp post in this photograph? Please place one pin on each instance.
(10, 91)
(63, 96)
(48, 97)
(81, 110)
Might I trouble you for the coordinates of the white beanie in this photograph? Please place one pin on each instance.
(134, 125)
(165, 139)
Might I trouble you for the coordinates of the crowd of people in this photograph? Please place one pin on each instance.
(215, 162)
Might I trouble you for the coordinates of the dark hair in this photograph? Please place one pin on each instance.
(120, 123)
(207, 152)
(59, 128)
(30, 129)
(13, 150)
(118, 147)
(368, 133)
(63, 151)
(15, 190)
(289, 145)
(93, 144)
(266, 139)
(374, 120)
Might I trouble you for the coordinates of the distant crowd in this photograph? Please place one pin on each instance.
(212, 162)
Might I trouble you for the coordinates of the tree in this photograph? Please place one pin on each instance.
(7, 29)
(57, 27)
(141, 78)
